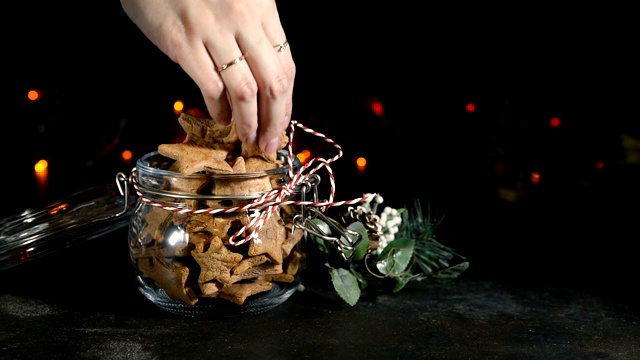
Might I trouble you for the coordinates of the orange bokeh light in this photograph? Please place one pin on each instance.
(361, 162)
(178, 106)
(33, 95)
(304, 156)
(535, 177)
(41, 169)
(127, 155)
(41, 166)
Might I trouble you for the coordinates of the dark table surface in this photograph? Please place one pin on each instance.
(550, 279)
(464, 320)
(82, 304)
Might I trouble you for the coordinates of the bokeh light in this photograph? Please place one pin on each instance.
(41, 166)
(33, 95)
(304, 156)
(178, 106)
(376, 107)
(361, 162)
(471, 107)
(535, 177)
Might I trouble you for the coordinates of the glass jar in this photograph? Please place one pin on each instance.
(199, 247)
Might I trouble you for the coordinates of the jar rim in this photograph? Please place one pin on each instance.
(156, 163)
(154, 179)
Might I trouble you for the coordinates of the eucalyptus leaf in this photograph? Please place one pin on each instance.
(396, 256)
(362, 280)
(405, 279)
(345, 284)
(363, 245)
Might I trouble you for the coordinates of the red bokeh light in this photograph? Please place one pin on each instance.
(471, 107)
(377, 108)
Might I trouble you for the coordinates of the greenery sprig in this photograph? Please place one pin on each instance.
(397, 246)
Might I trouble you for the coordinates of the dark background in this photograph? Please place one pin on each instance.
(107, 88)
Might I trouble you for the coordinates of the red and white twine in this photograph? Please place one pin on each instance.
(269, 202)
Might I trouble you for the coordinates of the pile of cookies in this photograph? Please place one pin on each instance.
(190, 255)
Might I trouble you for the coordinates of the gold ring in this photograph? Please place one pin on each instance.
(230, 63)
(281, 47)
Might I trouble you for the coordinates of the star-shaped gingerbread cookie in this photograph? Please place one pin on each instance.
(191, 158)
(270, 239)
(215, 262)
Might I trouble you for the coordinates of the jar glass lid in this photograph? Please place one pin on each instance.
(82, 216)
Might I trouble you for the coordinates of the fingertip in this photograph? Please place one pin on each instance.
(270, 146)
(249, 139)
(221, 116)
(222, 121)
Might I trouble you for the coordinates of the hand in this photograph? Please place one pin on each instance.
(235, 52)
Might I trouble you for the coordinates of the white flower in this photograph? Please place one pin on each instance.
(383, 218)
(390, 221)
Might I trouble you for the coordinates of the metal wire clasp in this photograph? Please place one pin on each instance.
(347, 241)
(122, 181)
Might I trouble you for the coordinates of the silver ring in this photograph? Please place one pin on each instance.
(281, 47)
(230, 63)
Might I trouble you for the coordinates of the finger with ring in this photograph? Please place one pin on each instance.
(282, 46)
(230, 63)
